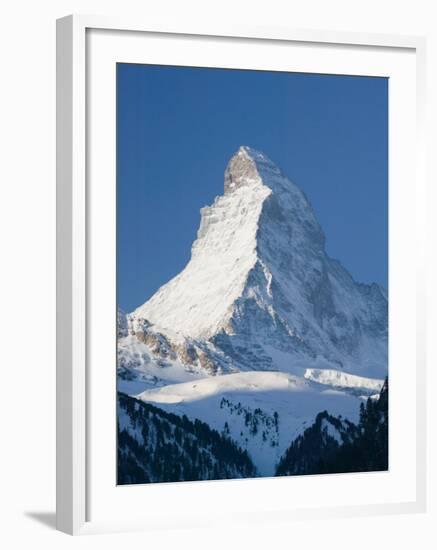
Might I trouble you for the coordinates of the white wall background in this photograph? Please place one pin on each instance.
(27, 273)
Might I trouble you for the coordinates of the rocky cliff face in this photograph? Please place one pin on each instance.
(260, 292)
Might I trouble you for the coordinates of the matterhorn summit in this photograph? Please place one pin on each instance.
(259, 292)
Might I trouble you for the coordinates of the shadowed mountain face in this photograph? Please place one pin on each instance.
(260, 292)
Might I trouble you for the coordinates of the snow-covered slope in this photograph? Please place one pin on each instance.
(260, 292)
(262, 411)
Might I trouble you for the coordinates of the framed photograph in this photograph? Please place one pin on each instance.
(240, 275)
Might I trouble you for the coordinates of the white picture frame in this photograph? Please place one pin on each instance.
(74, 281)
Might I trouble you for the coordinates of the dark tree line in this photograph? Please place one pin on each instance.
(356, 448)
(158, 446)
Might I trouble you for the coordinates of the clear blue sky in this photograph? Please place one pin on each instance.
(177, 127)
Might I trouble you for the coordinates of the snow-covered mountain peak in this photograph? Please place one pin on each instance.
(248, 167)
(260, 292)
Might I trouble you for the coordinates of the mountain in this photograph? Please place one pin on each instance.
(155, 446)
(260, 291)
(262, 341)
